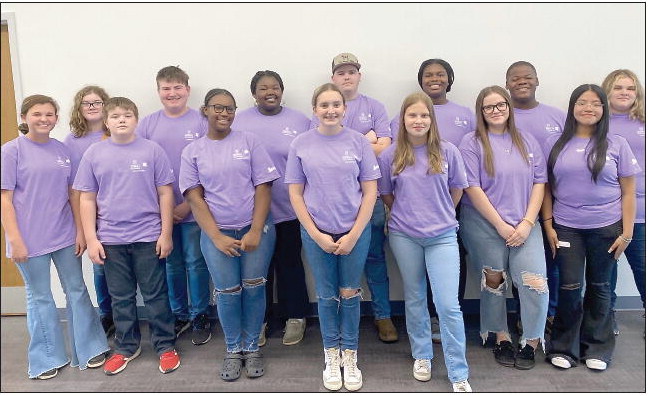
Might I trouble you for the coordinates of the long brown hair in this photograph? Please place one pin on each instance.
(404, 155)
(482, 128)
(78, 123)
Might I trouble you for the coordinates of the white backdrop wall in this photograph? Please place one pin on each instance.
(61, 47)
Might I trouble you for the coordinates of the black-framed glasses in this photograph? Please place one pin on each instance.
(219, 108)
(489, 109)
(96, 104)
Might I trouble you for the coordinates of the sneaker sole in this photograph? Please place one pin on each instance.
(561, 363)
(128, 359)
(46, 377)
(201, 343)
(95, 365)
(292, 342)
(506, 364)
(423, 377)
(333, 386)
(352, 388)
(523, 367)
(169, 370)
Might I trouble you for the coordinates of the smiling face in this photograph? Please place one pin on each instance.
(121, 123)
(417, 122)
(91, 106)
(41, 119)
(498, 118)
(434, 81)
(329, 109)
(174, 96)
(220, 123)
(623, 95)
(588, 109)
(268, 95)
(521, 83)
(347, 79)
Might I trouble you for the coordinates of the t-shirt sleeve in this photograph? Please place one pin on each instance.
(9, 174)
(294, 171)
(537, 159)
(75, 156)
(394, 127)
(142, 129)
(188, 177)
(163, 169)
(381, 121)
(456, 169)
(263, 169)
(628, 164)
(85, 179)
(385, 185)
(548, 145)
(369, 169)
(469, 149)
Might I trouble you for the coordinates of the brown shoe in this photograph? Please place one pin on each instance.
(386, 330)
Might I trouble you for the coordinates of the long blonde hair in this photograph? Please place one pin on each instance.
(638, 109)
(482, 128)
(404, 155)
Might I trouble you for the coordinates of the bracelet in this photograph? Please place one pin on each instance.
(547, 219)
(530, 222)
(624, 239)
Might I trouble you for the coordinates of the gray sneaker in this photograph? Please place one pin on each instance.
(294, 331)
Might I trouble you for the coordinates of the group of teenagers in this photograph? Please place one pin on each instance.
(517, 189)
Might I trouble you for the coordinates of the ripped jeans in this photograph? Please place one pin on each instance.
(582, 328)
(239, 284)
(339, 316)
(525, 265)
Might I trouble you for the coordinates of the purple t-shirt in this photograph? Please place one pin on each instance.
(275, 133)
(634, 131)
(78, 146)
(509, 190)
(363, 114)
(540, 121)
(453, 121)
(228, 170)
(39, 176)
(578, 201)
(125, 178)
(422, 206)
(173, 135)
(331, 169)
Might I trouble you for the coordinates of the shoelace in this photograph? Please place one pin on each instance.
(421, 364)
(349, 365)
(462, 386)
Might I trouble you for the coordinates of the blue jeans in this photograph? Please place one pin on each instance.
(525, 265)
(339, 317)
(46, 349)
(636, 255)
(186, 263)
(376, 267)
(101, 290)
(583, 325)
(128, 266)
(439, 258)
(239, 284)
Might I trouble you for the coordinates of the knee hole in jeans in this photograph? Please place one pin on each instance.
(570, 286)
(493, 280)
(232, 290)
(248, 283)
(535, 282)
(350, 293)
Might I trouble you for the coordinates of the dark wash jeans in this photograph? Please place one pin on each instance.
(126, 267)
(582, 328)
(636, 255)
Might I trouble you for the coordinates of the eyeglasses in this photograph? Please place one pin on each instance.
(596, 105)
(219, 108)
(96, 104)
(489, 109)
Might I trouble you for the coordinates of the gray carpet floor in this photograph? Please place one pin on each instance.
(385, 367)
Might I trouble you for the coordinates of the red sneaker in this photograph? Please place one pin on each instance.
(169, 361)
(117, 362)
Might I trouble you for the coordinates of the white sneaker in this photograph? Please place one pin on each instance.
(332, 376)
(422, 369)
(561, 362)
(461, 386)
(352, 374)
(595, 364)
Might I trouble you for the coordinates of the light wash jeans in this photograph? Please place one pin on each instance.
(375, 268)
(186, 263)
(240, 302)
(339, 317)
(524, 265)
(47, 343)
(439, 257)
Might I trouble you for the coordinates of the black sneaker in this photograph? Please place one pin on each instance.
(525, 358)
(504, 353)
(181, 326)
(108, 325)
(201, 333)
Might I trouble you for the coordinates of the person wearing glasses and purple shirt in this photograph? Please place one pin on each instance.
(539, 120)
(226, 177)
(436, 77)
(626, 97)
(369, 117)
(276, 126)
(588, 214)
(86, 125)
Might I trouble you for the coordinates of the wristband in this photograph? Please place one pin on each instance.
(547, 219)
(530, 222)
(624, 239)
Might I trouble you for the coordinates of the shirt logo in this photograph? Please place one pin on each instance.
(136, 166)
(460, 123)
(365, 117)
(271, 169)
(289, 132)
(641, 131)
(552, 128)
(241, 154)
(530, 155)
(350, 157)
(580, 150)
(634, 161)
(63, 162)
(376, 167)
(191, 135)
